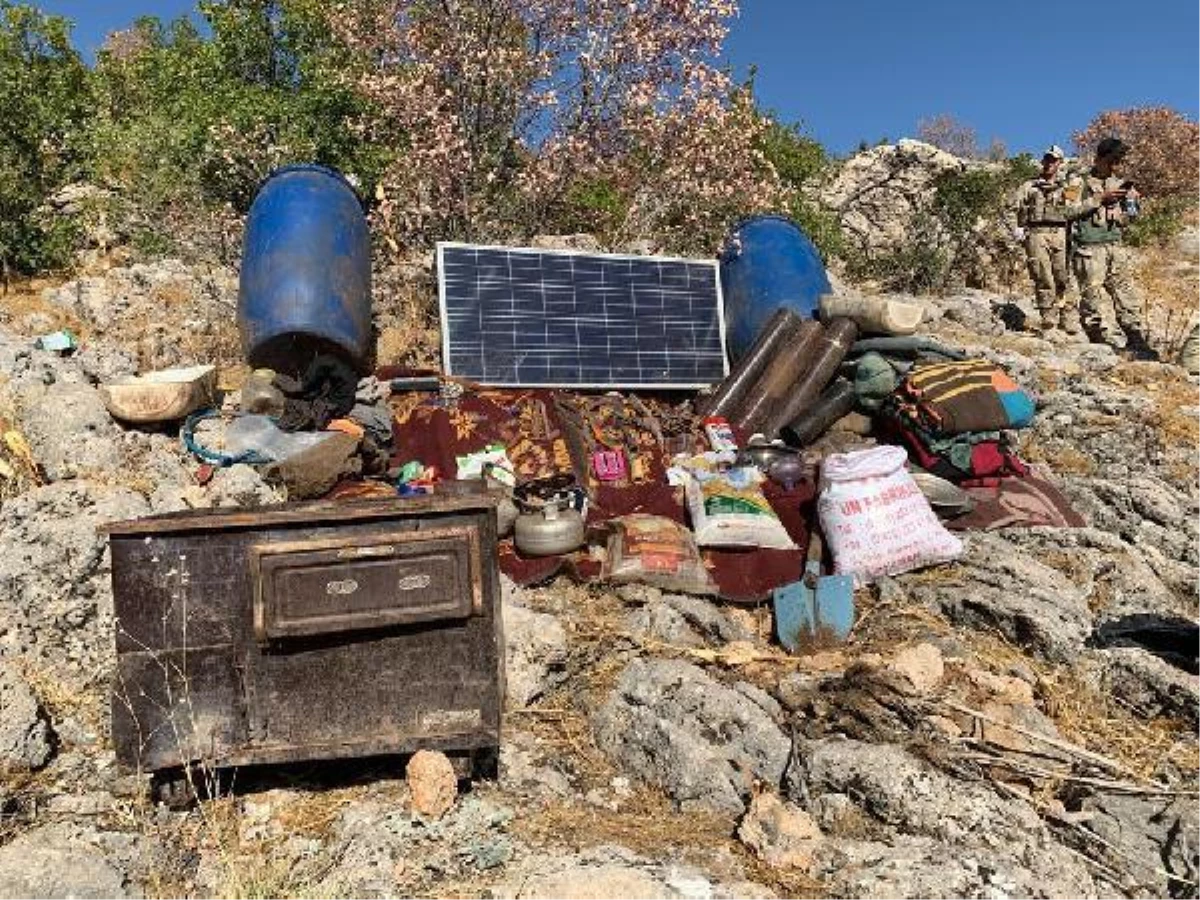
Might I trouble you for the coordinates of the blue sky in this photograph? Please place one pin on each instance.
(851, 70)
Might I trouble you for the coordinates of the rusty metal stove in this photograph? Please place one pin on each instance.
(307, 631)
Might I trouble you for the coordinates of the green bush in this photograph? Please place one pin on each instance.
(44, 105)
(800, 162)
(1161, 220)
(918, 266)
(187, 126)
(941, 237)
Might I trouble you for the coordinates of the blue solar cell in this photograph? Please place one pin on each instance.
(530, 317)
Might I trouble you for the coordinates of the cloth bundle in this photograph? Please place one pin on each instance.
(965, 396)
(951, 417)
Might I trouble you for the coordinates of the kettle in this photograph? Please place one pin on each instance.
(553, 528)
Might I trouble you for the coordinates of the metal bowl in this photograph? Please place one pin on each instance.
(783, 465)
(946, 498)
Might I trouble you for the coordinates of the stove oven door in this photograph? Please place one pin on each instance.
(371, 641)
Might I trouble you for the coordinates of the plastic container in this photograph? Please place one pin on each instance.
(767, 263)
(306, 272)
(260, 435)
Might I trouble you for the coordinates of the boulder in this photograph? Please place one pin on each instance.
(703, 742)
(535, 654)
(432, 783)
(58, 861)
(69, 429)
(25, 735)
(780, 834)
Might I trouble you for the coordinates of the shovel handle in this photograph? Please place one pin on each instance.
(816, 547)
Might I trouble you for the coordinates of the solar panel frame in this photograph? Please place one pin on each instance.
(606, 328)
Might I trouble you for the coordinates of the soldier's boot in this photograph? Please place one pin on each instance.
(1044, 321)
(1102, 331)
(1071, 327)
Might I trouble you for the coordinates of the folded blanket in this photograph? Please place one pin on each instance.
(978, 454)
(970, 395)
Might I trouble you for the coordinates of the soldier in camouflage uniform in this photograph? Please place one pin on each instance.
(1097, 205)
(1042, 224)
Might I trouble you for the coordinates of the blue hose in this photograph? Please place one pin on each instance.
(215, 457)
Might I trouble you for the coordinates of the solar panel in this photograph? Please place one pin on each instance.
(521, 317)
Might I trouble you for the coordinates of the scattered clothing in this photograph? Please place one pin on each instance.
(979, 454)
(326, 392)
(1024, 501)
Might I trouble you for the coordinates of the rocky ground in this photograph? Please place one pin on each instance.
(973, 738)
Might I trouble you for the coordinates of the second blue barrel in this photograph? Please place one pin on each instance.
(306, 272)
(767, 263)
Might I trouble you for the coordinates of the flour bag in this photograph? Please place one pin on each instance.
(875, 519)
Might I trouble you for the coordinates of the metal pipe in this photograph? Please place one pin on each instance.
(827, 354)
(771, 388)
(780, 328)
(835, 401)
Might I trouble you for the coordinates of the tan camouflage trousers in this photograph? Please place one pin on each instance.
(1109, 302)
(1046, 256)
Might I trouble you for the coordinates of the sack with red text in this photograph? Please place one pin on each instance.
(875, 518)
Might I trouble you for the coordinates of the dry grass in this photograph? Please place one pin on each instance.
(1063, 459)
(18, 469)
(314, 813)
(1093, 719)
(24, 300)
(1169, 287)
(648, 824)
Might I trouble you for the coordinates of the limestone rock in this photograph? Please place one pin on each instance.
(432, 782)
(535, 654)
(58, 861)
(55, 590)
(670, 723)
(241, 486)
(686, 621)
(997, 585)
(896, 788)
(25, 736)
(780, 834)
(921, 665)
(69, 429)
(1148, 685)
(877, 190)
(914, 866)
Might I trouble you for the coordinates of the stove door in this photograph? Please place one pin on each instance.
(371, 641)
(329, 586)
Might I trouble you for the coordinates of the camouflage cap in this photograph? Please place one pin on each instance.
(1054, 152)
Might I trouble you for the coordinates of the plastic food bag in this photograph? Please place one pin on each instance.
(875, 518)
(657, 551)
(727, 506)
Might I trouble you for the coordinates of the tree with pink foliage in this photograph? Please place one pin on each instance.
(518, 116)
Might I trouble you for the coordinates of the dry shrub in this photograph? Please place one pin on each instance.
(1169, 288)
(1162, 147)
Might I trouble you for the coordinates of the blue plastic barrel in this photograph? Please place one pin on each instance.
(306, 272)
(768, 262)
